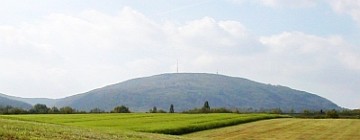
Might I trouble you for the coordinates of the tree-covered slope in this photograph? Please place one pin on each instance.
(14, 103)
(189, 90)
(32, 101)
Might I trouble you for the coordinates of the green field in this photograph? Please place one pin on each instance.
(14, 130)
(156, 126)
(116, 126)
(287, 129)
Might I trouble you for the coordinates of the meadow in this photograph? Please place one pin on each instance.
(287, 129)
(181, 126)
(117, 126)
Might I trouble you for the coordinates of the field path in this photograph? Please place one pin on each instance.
(287, 129)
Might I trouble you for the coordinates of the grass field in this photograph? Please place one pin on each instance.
(287, 129)
(14, 130)
(116, 126)
(138, 126)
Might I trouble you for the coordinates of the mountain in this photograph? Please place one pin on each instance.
(190, 90)
(14, 103)
(32, 101)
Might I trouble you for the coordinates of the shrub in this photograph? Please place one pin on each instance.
(332, 114)
(121, 109)
(67, 110)
(96, 110)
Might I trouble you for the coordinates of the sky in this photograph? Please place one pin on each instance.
(58, 48)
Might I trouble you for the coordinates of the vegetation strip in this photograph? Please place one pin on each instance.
(212, 125)
(175, 124)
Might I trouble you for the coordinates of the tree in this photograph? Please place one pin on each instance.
(332, 114)
(154, 110)
(206, 107)
(67, 110)
(276, 111)
(16, 110)
(96, 110)
(121, 109)
(54, 110)
(171, 109)
(307, 112)
(40, 109)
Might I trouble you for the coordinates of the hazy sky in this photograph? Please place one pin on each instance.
(57, 48)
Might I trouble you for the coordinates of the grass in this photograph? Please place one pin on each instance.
(287, 129)
(138, 126)
(25, 130)
(175, 124)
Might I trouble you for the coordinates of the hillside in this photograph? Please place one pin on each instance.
(32, 101)
(189, 90)
(6, 101)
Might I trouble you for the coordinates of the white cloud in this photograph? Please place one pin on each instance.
(350, 7)
(289, 3)
(322, 50)
(282, 3)
(319, 64)
(64, 54)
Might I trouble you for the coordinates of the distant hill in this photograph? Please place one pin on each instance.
(32, 101)
(189, 90)
(14, 103)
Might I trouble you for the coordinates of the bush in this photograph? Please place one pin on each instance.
(67, 110)
(213, 110)
(39, 109)
(96, 110)
(11, 110)
(121, 109)
(332, 114)
(161, 111)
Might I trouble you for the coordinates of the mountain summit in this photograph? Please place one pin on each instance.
(190, 90)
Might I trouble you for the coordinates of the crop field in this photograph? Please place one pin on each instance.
(15, 129)
(156, 126)
(117, 126)
(287, 129)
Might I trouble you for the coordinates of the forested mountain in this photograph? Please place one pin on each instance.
(14, 103)
(32, 101)
(189, 90)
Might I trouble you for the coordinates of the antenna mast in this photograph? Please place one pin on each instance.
(177, 66)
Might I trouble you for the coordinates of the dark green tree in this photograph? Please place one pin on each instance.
(54, 110)
(121, 109)
(153, 110)
(16, 110)
(171, 109)
(67, 110)
(11, 110)
(96, 110)
(206, 107)
(40, 109)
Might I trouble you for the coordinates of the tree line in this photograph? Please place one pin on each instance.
(43, 109)
(39, 109)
